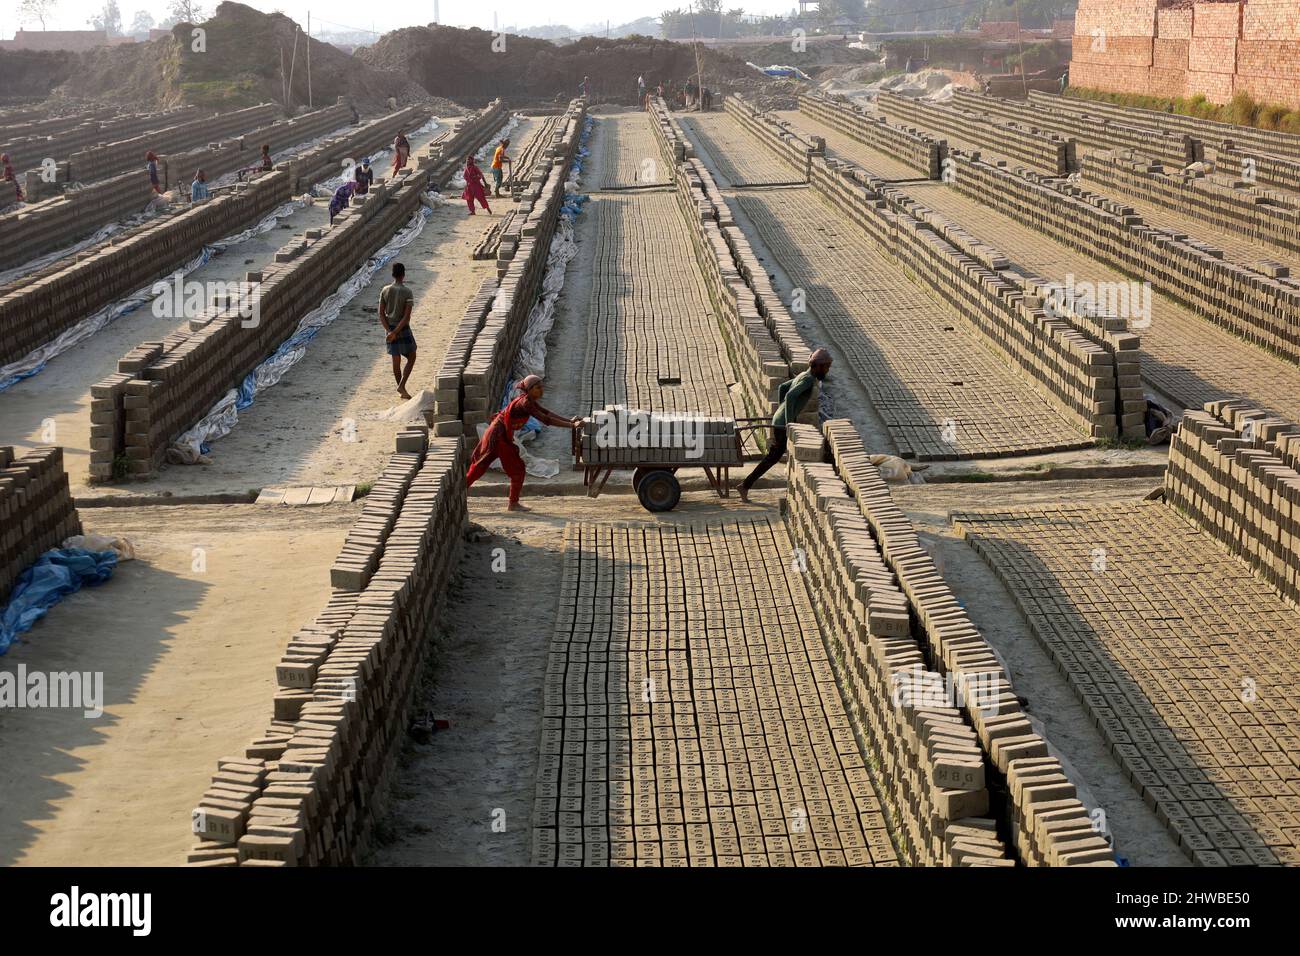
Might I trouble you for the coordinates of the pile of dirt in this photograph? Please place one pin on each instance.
(239, 65)
(472, 65)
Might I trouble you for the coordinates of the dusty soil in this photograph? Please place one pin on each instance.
(187, 643)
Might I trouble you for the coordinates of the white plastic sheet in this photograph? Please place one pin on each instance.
(221, 419)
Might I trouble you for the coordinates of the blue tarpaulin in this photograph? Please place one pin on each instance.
(56, 574)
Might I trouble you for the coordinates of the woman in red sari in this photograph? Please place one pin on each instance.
(11, 177)
(475, 186)
(499, 439)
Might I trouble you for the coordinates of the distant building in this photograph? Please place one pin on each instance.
(74, 40)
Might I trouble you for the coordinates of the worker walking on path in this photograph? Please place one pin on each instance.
(395, 304)
(498, 442)
(199, 190)
(401, 150)
(151, 163)
(793, 395)
(500, 160)
(475, 186)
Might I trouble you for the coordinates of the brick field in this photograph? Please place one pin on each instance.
(740, 156)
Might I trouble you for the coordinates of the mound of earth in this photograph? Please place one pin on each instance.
(472, 65)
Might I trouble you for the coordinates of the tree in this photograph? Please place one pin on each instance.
(38, 10)
(108, 19)
(142, 23)
(185, 11)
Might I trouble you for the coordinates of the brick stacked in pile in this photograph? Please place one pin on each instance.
(109, 159)
(326, 161)
(908, 145)
(447, 395)
(36, 510)
(674, 145)
(655, 437)
(307, 790)
(34, 150)
(62, 220)
(1261, 307)
(766, 344)
(789, 144)
(1270, 218)
(22, 127)
(1091, 132)
(1039, 806)
(1074, 359)
(489, 363)
(1235, 470)
(1041, 149)
(41, 305)
(1210, 48)
(929, 766)
(156, 399)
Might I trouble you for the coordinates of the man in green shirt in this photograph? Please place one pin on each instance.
(395, 304)
(794, 395)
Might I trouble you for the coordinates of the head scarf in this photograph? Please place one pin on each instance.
(529, 382)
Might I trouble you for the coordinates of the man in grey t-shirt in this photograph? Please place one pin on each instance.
(395, 304)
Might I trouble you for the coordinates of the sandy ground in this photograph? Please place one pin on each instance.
(187, 649)
(300, 431)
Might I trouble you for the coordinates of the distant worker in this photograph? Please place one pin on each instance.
(500, 159)
(401, 150)
(640, 91)
(475, 186)
(584, 87)
(395, 304)
(690, 89)
(793, 396)
(151, 163)
(11, 176)
(199, 190)
(706, 99)
(267, 164)
(342, 196)
(498, 442)
(363, 176)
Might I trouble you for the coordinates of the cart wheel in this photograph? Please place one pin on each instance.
(638, 475)
(659, 490)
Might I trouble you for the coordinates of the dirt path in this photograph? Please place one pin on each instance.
(186, 638)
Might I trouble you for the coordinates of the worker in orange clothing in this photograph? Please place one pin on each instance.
(499, 439)
(499, 161)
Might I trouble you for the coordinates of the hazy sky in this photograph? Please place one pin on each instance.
(73, 14)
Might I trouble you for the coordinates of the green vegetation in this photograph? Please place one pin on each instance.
(227, 94)
(1244, 110)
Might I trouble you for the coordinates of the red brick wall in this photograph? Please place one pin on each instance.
(1209, 47)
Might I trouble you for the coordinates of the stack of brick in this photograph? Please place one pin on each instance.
(1235, 471)
(448, 400)
(765, 342)
(928, 763)
(1268, 52)
(784, 139)
(674, 145)
(149, 403)
(1090, 132)
(618, 435)
(442, 158)
(36, 510)
(1071, 358)
(1212, 51)
(68, 290)
(35, 150)
(306, 792)
(1039, 148)
(1258, 302)
(108, 159)
(911, 146)
(60, 221)
(329, 158)
(1033, 796)
(1269, 217)
(1113, 44)
(486, 368)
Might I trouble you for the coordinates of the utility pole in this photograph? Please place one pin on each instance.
(309, 103)
(436, 20)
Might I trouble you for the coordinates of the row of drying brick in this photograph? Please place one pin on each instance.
(787, 142)
(62, 220)
(21, 125)
(961, 763)
(1039, 148)
(1259, 307)
(1037, 804)
(40, 306)
(161, 389)
(31, 151)
(1090, 132)
(1080, 360)
(306, 792)
(480, 358)
(36, 510)
(1235, 471)
(908, 145)
(1268, 217)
